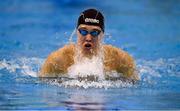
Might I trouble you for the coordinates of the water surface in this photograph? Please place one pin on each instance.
(148, 30)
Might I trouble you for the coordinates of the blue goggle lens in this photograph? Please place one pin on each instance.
(83, 32)
(93, 33)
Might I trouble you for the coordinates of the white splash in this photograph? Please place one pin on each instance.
(148, 69)
(92, 84)
(71, 36)
(9, 65)
(25, 66)
(87, 67)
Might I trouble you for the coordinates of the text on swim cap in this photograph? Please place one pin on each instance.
(91, 20)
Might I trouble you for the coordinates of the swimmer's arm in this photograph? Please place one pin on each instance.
(52, 66)
(58, 62)
(126, 65)
(120, 61)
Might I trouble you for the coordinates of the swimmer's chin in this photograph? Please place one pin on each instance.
(88, 52)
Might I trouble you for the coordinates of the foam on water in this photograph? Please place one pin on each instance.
(92, 84)
(153, 72)
(25, 66)
(148, 70)
(87, 67)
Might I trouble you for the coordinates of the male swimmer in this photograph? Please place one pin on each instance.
(90, 32)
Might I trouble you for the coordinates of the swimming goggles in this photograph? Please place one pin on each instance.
(93, 33)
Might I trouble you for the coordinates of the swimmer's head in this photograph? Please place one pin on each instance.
(91, 17)
(90, 31)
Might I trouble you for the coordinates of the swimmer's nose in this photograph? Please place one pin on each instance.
(88, 38)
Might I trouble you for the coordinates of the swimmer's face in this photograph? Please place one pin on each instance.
(89, 38)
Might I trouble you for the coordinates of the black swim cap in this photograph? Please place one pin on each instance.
(91, 17)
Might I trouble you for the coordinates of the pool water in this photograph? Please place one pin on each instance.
(148, 30)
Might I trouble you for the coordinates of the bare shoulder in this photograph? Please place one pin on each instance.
(65, 52)
(116, 52)
(62, 53)
(58, 61)
(119, 60)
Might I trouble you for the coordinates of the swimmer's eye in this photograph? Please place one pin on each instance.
(83, 32)
(93, 33)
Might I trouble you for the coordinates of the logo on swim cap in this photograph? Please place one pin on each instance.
(91, 20)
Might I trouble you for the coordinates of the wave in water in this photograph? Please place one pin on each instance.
(24, 66)
(149, 70)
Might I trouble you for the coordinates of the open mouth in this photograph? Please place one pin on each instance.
(88, 45)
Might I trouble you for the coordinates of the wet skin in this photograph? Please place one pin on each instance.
(115, 59)
(89, 44)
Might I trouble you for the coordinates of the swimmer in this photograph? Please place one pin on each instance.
(90, 32)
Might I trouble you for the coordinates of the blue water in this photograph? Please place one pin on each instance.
(148, 30)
